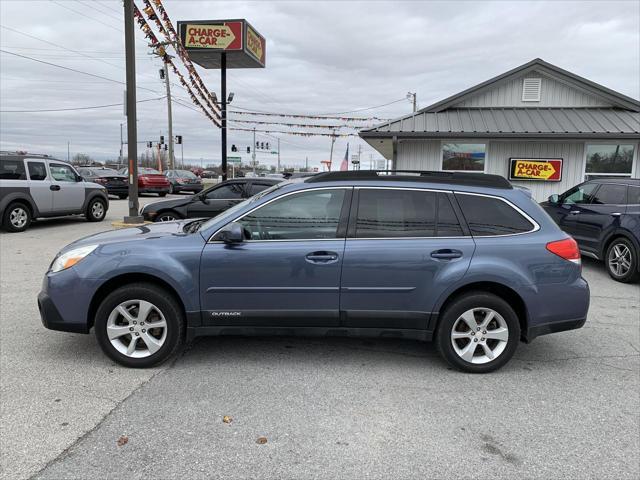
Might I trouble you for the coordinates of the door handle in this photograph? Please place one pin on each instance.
(574, 212)
(446, 254)
(616, 214)
(54, 187)
(321, 257)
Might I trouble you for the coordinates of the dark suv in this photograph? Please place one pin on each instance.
(463, 259)
(603, 215)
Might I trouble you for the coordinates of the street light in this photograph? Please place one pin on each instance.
(230, 99)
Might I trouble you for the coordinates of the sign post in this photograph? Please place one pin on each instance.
(222, 44)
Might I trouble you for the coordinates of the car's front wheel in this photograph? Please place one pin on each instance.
(96, 210)
(168, 216)
(622, 260)
(478, 333)
(139, 325)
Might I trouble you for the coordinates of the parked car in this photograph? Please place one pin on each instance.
(150, 180)
(209, 174)
(603, 215)
(115, 183)
(209, 203)
(38, 186)
(183, 181)
(460, 258)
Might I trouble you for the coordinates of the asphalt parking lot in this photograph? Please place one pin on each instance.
(566, 406)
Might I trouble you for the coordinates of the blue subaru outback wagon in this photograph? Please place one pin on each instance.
(463, 259)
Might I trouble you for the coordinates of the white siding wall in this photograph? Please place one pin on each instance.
(426, 155)
(553, 94)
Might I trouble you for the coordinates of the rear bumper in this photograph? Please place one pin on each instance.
(153, 189)
(553, 327)
(188, 188)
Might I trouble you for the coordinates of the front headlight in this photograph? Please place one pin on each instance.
(70, 258)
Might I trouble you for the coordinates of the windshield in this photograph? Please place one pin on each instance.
(148, 171)
(103, 172)
(241, 205)
(185, 173)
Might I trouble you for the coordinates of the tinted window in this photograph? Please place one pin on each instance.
(307, 215)
(37, 170)
(448, 224)
(611, 195)
(634, 196)
(12, 170)
(396, 213)
(62, 173)
(85, 172)
(230, 191)
(491, 216)
(257, 188)
(579, 194)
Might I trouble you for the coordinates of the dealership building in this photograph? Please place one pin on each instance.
(541, 126)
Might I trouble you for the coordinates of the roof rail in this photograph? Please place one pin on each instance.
(460, 178)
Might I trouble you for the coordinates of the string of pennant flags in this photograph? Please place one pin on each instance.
(305, 125)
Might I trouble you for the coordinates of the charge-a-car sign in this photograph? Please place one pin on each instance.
(223, 36)
(542, 169)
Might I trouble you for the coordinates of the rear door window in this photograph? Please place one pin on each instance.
(611, 194)
(490, 216)
(37, 170)
(12, 169)
(388, 213)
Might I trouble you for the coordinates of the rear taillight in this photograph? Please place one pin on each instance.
(101, 181)
(567, 249)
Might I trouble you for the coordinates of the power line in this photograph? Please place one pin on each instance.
(77, 108)
(94, 5)
(248, 111)
(367, 108)
(87, 16)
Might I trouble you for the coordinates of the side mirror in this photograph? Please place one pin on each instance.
(231, 233)
(555, 198)
(79, 178)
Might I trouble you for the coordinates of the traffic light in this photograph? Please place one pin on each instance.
(257, 145)
(166, 147)
(261, 145)
(179, 139)
(267, 145)
(248, 149)
(161, 73)
(233, 148)
(149, 144)
(161, 139)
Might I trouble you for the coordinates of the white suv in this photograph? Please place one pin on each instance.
(36, 186)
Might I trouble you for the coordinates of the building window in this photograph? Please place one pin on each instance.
(463, 156)
(609, 160)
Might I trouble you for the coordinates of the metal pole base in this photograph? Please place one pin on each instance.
(138, 219)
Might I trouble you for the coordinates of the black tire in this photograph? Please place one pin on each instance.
(162, 216)
(163, 301)
(122, 196)
(12, 224)
(449, 318)
(630, 275)
(96, 210)
(163, 194)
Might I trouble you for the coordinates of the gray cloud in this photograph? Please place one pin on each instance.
(322, 57)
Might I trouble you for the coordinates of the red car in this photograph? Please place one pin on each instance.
(150, 180)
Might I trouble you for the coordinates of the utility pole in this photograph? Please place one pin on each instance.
(121, 142)
(359, 154)
(306, 164)
(132, 134)
(412, 97)
(333, 140)
(253, 155)
(223, 113)
(166, 80)
(68, 149)
(278, 155)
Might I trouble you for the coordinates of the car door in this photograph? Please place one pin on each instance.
(216, 200)
(570, 205)
(287, 271)
(403, 247)
(39, 183)
(599, 216)
(68, 191)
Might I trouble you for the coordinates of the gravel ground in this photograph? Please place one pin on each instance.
(567, 406)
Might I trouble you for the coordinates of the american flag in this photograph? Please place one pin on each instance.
(344, 166)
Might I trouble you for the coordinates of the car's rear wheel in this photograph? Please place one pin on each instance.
(122, 196)
(168, 216)
(17, 217)
(96, 210)
(163, 194)
(139, 325)
(478, 333)
(622, 260)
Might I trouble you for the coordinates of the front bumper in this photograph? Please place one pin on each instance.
(51, 318)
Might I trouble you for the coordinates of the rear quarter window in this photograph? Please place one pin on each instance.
(12, 169)
(489, 216)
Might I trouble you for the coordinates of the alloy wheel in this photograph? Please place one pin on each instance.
(137, 328)
(620, 259)
(479, 335)
(166, 218)
(18, 217)
(97, 210)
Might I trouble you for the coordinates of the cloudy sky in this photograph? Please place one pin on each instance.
(323, 57)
